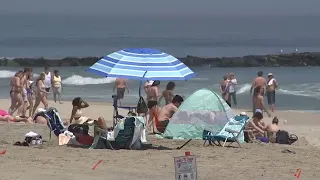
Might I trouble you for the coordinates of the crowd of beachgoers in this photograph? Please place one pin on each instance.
(26, 95)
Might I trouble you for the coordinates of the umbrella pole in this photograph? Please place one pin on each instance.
(141, 83)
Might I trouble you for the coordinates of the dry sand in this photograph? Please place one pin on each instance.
(253, 161)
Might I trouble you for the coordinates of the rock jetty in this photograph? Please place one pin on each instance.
(292, 60)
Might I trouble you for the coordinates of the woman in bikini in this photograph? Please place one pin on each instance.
(41, 93)
(224, 89)
(168, 93)
(77, 117)
(16, 92)
(30, 93)
(152, 98)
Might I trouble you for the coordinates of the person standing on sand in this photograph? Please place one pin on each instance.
(121, 85)
(224, 89)
(168, 93)
(16, 93)
(258, 81)
(259, 102)
(47, 80)
(152, 99)
(271, 91)
(56, 86)
(232, 89)
(41, 93)
(30, 93)
(22, 110)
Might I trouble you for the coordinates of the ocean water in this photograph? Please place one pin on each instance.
(61, 35)
(299, 87)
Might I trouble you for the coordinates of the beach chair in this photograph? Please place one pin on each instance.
(116, 115)
(54, 122)
(231, 132)
(126, 135)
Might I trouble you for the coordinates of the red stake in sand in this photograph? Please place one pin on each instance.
(187, 153)
(3, 152)
(297, 174)
(95, 165)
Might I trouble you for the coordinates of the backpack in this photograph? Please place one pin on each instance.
(142, 106)
(283, 137)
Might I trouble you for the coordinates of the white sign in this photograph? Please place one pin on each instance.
(185, 167)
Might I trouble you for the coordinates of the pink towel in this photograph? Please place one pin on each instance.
(3, 113)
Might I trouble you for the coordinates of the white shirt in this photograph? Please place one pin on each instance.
(47, 80)
(232, 85)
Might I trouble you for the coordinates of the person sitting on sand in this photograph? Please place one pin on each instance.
(272, 129)
(168, 110)
(168, 93)
(6, 117)
(259, 102)
(254, 128)
(77, 117)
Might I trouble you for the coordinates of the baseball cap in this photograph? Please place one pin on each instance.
(270, 74)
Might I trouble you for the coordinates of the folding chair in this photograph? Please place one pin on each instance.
(230, 133)
(116, 115)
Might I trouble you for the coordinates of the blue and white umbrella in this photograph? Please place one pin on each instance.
(142, 64)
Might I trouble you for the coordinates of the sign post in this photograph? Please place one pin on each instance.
(185, 167)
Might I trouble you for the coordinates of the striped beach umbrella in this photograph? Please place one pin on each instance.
(141, 64)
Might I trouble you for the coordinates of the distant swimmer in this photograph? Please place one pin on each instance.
(281, 51)
(296, 50)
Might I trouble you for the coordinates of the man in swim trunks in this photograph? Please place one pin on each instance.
(271, 91)
(168, 110)
(258, 81)
(121, 85)
(258, 102)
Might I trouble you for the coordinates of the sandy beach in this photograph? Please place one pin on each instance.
(252, 161)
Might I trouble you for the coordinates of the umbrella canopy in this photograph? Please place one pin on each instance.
(142, 64)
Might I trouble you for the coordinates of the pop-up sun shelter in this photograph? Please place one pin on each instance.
(203, 110)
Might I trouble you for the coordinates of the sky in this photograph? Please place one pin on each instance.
(158, 7)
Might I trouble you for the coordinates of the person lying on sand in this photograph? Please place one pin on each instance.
(168, 110)
(272, 129)
(77, 117)
(254, 128)
(6, 117)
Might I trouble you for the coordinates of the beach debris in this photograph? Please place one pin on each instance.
(187, 153)
(297, 173)
(3, 152)
(288, 151)
(96, 164)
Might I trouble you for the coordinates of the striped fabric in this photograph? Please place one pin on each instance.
(142, 64)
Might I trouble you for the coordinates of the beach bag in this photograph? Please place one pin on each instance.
(142, 106)
(79, 129)
(282, 137)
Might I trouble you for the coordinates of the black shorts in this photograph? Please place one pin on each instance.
(120, 93)
(151, 104)
(48, 89)
(271, 96)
